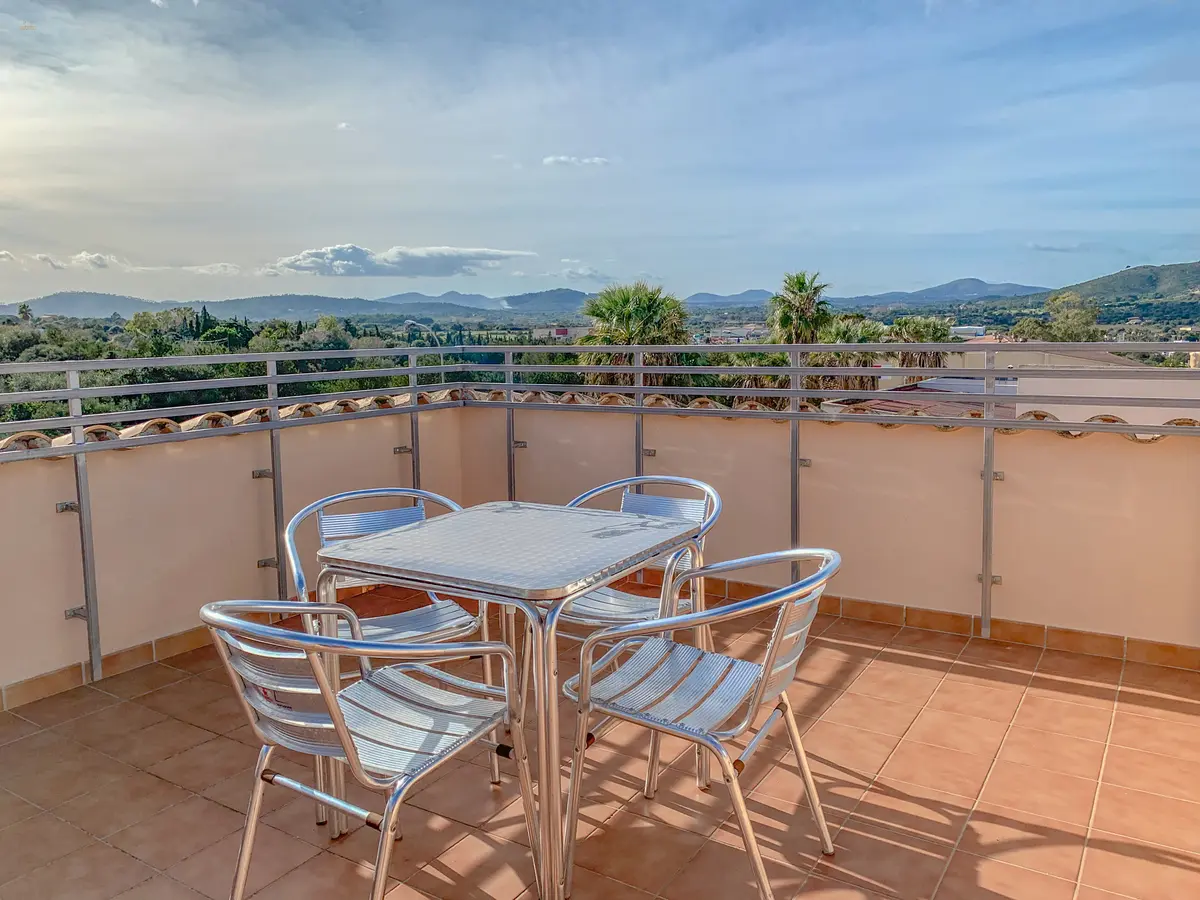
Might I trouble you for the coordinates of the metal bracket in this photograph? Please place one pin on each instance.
(520, 445)
(646, 451)
(396, 451)
(804, 463)
(995, 579)
(269, 563)
(262, 473)
(996, 475)
(75, 612)
(67, 506)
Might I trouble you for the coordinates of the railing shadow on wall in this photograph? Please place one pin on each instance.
(918, 510)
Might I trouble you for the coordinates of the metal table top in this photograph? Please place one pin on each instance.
(528, 551)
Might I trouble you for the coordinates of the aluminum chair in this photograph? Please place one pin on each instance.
(441, 620)
(701, 696)
(391, 728)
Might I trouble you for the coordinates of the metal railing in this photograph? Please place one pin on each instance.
(799, 407)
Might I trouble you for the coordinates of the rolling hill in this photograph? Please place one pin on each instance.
(959, 291)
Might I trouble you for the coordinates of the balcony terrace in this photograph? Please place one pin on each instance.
(1002, 701)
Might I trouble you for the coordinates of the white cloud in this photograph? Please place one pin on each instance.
(213, 269)
(7, 256)
(403, 262)
(344, 126)
(161, 4)
(49, 260)
(585, 273)
(568, 262)
(574, 161)
(97, 261)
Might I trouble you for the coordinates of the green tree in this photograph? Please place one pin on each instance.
(799, 310)
(849, 329)
(1071, 318)
(632, 314)
(920, 330)
(25, 313)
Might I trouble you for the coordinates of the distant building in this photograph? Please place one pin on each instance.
(563, 334)
(968, 331)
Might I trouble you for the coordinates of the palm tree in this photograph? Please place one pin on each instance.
(920, 330)
(751, 382)
(25, 312)
(848, 329)
(628, 315)
(799, 310)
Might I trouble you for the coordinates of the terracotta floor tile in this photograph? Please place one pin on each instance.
(832, 666)
(974, 878)
(871, 713)
(1148, 818)
(205, 764)
(14, 727)
(1023, 839)
(891, 682)
(68, 705)
(637, 851)
(99, 729)
(1064, 718)
(160, 888)
(967, 734)
(326, 877)
(819, 888)
(937, 767)
(811, 700)
(467, 795)
(1081, 668)
(785, 830)
(425, 837)
(121, 803)
(720, 870)
(1069, 690)
(475, 868)
(920, 811)
(141, 680)
(632, 740)
(210, 872)
(31, 844)
(987, 674)
(885, 861)
(844, 747)
(95, 872)
(1091, 893)
(1055, 752)
(613, 778)
(154, 743)
(1151, 772)
(981, 701)
(194, 661)
(1179, 683)
(218, 716)
(1175, 739)
(185, 695)
(1049, 794)
(59, 781)
(234, 792)
(13, 809)
(679, 802)
(860, 632)
(1125, 867)
(1156, 704)
(913, 660)
(930, 641)
(176, 833)
(587, 885)
(32, 754)
(1002, 654)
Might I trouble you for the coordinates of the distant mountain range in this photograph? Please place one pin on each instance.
(1179, 281)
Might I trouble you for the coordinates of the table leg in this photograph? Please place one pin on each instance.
(551, 790)
(334, 779)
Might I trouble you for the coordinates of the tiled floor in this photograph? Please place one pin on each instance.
(949, 769)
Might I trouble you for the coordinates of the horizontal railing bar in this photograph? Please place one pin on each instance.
(8, 456)
(138, 362)
(871, 371)
(851, 418)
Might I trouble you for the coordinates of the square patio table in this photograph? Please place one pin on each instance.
(535, 557)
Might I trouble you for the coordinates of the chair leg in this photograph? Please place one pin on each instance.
(810, 785)
(525, 780)
(388, 830)
(574, 791)
(493, 760)
(743, 816)
(242, 869)
(652, 761)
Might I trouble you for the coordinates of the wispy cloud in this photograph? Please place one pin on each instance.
(344, 126)
(575, 161)
(106, 261)
(1074, 247)
(7, 256)
(585, 273)
(402, 262)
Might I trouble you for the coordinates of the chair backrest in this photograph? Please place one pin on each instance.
(334, 527)
(704, 509)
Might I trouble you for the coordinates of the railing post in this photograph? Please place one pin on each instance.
(414, 427)
(794, 457)
(510, 425)
(639, 438)
(87, 547)
(277, 511)
(989, 490)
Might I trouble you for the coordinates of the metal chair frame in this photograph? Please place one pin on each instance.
(701, 696)
(387, 728)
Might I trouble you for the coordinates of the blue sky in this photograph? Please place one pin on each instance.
(198, 149)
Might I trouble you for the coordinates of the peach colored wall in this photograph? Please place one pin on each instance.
(441, 453)
(40, 570)
(485, 464)
(329, 458)
(564, 459)
(176, 526)
(902, 505)
(1099, 534)
(746, 460)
